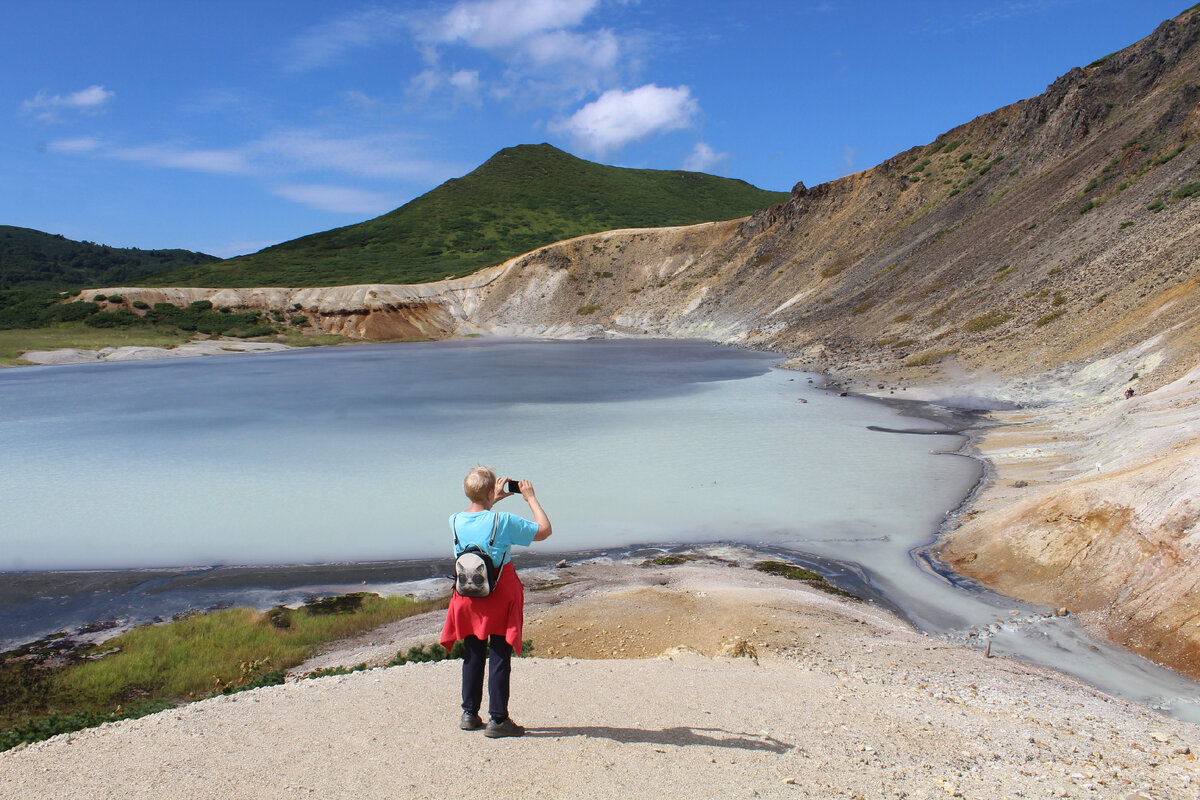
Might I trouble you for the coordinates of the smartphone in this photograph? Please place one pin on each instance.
(512, 486)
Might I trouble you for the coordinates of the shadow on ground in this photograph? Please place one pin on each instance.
(682, 737)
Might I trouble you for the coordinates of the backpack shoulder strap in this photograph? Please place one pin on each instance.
(495, 525)
(454, 527)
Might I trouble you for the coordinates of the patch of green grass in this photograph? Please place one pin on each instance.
(37, 730)
(986, 321)
(74, 335)
(154, 667)
(1157, 205)
(1048, 318)
(587, 309)
(795, 573)
(863, 306)
(670, 560)
(293, 339)
(928, 358)
(1187, 190)
(1167, 156)
(1088, 206)
(189, 657)
(330, 671)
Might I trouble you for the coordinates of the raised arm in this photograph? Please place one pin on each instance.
(539, 516)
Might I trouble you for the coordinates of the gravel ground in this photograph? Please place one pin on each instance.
(827, 699)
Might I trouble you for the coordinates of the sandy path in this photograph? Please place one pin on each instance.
(844, 701)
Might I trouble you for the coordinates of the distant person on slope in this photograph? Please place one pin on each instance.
(491, 626)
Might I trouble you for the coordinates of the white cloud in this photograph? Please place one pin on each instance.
(46, 106)
(372, 156)
(617, 117)
(599, 50)
(503, 23)
(283, 152)
(704, 159)
(222, 162)
(81, 144)
(465, 85)
(544, 60)
(337, 199)
(465, 80)
(324, 44)
(359, 100)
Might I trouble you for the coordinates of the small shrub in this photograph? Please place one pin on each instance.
(100, 298)
(201, 305)
(337, 604)
(141, 305)
(1188, 190)
(1126, 224)
(587, 309)
(836, 268)
(116, 298)
(280, 617)
(121, 318)
(299, 321)
(928, 358)
(422, 654)
(1157, 205)
(671, 560)
(1088, 206)
(1059, 300)
(258, 330)
(861, 307)
(1053, 315)
(986, 321)
(1165, 157)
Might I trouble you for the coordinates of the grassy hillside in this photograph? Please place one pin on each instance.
(520, 199)
(32, 259)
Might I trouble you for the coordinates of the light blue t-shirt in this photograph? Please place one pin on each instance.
(475, 527)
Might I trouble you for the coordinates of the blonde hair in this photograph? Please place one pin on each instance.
(479, 485)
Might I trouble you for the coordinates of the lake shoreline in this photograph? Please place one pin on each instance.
(702, 674)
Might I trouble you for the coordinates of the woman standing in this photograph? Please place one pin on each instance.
(490, 627)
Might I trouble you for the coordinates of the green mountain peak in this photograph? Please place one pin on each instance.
(521, 198)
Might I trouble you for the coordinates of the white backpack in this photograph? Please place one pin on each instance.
(474, 573)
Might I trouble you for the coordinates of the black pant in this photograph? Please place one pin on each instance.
(499, 655)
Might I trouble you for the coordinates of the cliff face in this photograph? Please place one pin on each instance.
(1052, 246)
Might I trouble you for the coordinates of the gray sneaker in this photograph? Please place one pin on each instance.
(497, 730)
(470, 721)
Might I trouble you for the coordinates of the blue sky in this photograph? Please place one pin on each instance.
(225, 126)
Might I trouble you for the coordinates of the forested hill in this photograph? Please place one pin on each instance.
(520, 199)
(34, 260)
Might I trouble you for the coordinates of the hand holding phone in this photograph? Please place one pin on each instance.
(512, 487)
